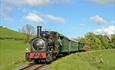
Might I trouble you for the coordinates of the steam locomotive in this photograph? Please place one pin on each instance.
(50, 45)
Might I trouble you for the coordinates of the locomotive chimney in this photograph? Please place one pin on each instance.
(39, 30)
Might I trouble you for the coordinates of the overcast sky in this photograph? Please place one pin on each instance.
(72, 18)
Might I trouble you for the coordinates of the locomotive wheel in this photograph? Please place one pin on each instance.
(49, 58)
(55, 54)
(35, 61)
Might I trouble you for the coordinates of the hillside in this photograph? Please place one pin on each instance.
(91, 60)
(7, 33)
(12, 49)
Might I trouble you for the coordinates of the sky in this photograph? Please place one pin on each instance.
(72, 18)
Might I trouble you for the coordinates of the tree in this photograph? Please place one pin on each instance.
(112, 41)
(93, 41)
(28, 30)
(98, 41)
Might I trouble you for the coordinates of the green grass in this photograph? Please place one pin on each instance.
(12, 49)
(7, 33)
(92, 60)
(11, 53)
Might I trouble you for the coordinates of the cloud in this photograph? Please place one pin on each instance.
(25, 3)
(9, 6)
(103, 2)
(55, 19)
(32, 3)
(38, 2)
(35, 2)
(99, 31)
(108, 30)
(43, 18)
(99, 20)
(35, 18)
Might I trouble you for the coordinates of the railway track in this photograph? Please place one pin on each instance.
(33, 67)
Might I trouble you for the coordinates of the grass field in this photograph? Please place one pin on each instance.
(92, 60)
(11, 51)
(5, 32)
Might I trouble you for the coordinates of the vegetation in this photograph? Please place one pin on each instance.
(11, 53)
(99, 41)
(91, 60)
(27, 30)
(12, 49)
(6, 33)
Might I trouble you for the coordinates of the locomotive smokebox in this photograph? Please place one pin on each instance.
(39, 30)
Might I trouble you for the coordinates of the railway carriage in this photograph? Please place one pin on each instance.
(49, 45)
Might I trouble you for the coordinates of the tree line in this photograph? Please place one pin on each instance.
(95, 41)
